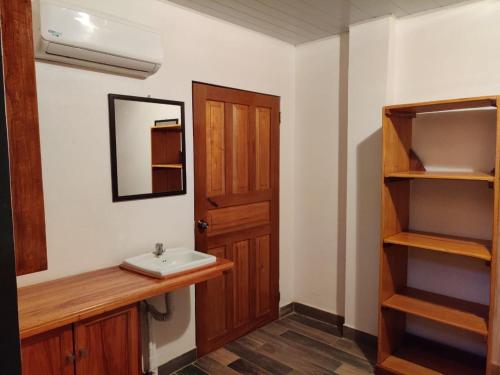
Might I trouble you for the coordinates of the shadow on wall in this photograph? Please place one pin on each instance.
(165, 333)
(368, 229)
(342, 172)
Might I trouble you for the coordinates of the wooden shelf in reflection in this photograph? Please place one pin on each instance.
(167, 127)
(168, 166)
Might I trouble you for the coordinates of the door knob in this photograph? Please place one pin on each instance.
(202, 225)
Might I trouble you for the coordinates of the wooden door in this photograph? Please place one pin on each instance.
(236, 148)
(49, 353)
(109, 344)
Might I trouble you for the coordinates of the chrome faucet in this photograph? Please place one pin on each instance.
(159, 250)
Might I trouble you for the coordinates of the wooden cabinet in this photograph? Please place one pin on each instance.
(23, 136)
(109, 344)
(104, 345)
(49, 353)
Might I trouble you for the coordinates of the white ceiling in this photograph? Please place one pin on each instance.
(300, 21)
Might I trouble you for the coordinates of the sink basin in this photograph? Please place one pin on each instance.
(172, 261)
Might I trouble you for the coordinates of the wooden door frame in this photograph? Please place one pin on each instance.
(9, 324)
(200, 200)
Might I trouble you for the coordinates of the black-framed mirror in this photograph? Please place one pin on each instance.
(147, 142)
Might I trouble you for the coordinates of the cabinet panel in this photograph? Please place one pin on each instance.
(49, 353)
(108, 345)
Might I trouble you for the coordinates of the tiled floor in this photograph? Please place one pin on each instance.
(293, 345)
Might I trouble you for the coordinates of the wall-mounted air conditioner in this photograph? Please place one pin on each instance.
(66, 34)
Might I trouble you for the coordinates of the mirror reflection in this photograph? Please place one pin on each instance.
(147, 147)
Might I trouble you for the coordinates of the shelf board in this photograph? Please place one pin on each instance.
(441, 105)
(168, 166)
(469, 316)
(167, 127)
(469, 247)
(467, 176)
(421, 358)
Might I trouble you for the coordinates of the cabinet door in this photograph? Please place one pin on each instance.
(49, 353)
(109, 344)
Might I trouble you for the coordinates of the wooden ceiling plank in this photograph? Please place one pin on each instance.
(283, 11)
(412, 6)
(251, 9)
(379, 8)
(204, 9)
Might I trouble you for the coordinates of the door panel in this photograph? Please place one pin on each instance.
(262, 148)
(229, 219)
(215, 157)
(240, 148)
(263, 275)
(236, 151)
(241, 288)
(109, 345)
(49, 353)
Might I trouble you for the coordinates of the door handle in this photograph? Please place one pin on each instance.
(202, 225)
(70, 358)
(83, 353)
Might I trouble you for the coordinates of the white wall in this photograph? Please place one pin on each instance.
(316, 167)
(370, 53)
(85, 230)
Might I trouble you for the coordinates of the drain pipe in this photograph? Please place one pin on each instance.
(149, 312)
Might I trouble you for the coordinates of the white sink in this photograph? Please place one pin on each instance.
(172, 261)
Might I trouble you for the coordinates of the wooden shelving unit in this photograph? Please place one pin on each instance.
(469, 247)
(397, 355)
(421, 357)
(166, 158)
(465, 315)
(443, 175)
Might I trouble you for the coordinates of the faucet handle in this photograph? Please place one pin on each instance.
(159, 249)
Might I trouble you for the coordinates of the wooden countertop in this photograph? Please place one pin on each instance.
(56, 303)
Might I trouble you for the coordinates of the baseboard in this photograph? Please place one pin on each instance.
(313, 312)
(330, 318)
(286, 310)
(324, 316)
(177, 363)
(359, 336)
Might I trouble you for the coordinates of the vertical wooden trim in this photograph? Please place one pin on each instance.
(396, 142)
(494, 320)
(9, 325)
(275, 206)
(24, 137)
